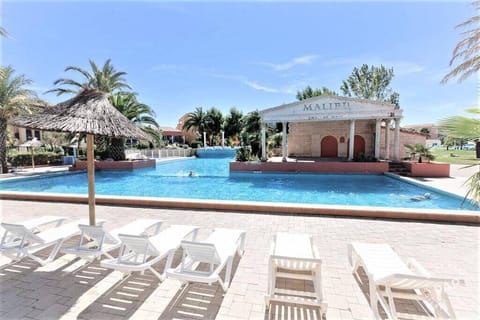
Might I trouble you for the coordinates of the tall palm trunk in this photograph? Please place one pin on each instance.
(3, 145)
(117, 149)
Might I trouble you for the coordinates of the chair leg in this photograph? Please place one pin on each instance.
(373, 298)
(51, 256)
(228, 273)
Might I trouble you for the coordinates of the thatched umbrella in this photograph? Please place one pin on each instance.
(91, 113)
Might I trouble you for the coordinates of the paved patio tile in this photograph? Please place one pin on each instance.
(71, 288)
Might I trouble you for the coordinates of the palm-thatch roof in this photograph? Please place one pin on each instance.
(89, 112)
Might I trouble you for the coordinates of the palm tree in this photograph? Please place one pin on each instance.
(139, 113)
(467, 50)
(233, 123)
(196, 121)
(106, 79)
(469, 128)
(421, 150)
(214, 122)
(14, 100)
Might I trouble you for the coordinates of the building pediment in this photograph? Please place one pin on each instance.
(330, 108)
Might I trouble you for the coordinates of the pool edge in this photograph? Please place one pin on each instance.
(438, 215)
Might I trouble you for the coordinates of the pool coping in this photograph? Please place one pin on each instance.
(438, 215)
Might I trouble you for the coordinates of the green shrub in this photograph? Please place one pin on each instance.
(25, 158)
(196, 144)
(362, 157)
(245, 154)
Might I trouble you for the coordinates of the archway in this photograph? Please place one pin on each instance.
(329, 147)
(358, 146)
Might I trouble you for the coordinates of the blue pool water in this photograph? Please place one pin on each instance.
(212, 180)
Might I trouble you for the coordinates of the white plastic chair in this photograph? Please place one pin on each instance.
(30, 243)
(294, 256)
(218, 251)
(390, 277)
(95, 241)
(35, 225)
(140, 253)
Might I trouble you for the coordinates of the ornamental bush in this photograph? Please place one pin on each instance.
(25, 158)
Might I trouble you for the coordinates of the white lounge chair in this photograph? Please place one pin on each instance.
(140, 253)
(390, 277)
(30, 243)
(294, 256)
(218, 250)
(10, 240)
(95, 241)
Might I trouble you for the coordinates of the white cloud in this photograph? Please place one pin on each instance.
(290, 64)
(256, 86)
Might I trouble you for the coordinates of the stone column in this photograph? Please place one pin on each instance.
(264, 140)
(387, 139)
(378, 131)
(284, 141)
(352, 139)
(396, 140)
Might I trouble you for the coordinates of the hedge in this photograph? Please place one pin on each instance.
(25, 159)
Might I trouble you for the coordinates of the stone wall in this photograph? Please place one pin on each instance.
(304, 138)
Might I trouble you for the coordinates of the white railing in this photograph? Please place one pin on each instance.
(161, 153)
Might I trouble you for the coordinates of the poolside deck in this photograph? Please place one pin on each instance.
(69, 288)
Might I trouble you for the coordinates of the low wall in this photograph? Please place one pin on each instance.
(115, 165)
(428, 169)
(456, 216)
(327, 167)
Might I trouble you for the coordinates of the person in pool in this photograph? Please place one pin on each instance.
(426, 196)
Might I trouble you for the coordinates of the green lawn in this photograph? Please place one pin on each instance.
(455, 156)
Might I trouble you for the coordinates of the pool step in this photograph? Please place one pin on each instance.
(398, 168)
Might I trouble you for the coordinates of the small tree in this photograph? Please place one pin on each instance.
(420, 150)
(308, 92)
(371, 83)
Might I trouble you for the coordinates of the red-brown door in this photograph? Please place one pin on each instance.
(358, 146)
(329, 147)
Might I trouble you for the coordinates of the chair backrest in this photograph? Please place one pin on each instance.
(98, 233)
(21, 232)
(201, 252)
(137, 245)
(405, 281)
(295, 263)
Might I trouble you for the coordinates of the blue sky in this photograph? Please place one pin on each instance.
(251, 55)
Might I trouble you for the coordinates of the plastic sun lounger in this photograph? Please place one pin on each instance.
(218, 249)
(10, 240)
(104, 241)
(30, 243)
(140, 253)
(294, 256)
(390, 277)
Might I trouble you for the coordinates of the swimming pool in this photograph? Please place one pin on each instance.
(212, 180)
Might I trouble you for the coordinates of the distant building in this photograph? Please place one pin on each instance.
(21, 135)
(172, 135)
(433, 129)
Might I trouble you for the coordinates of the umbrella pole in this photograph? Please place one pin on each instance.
(33, 160)
(91, 179)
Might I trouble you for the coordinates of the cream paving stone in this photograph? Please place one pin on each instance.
(449, 250)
